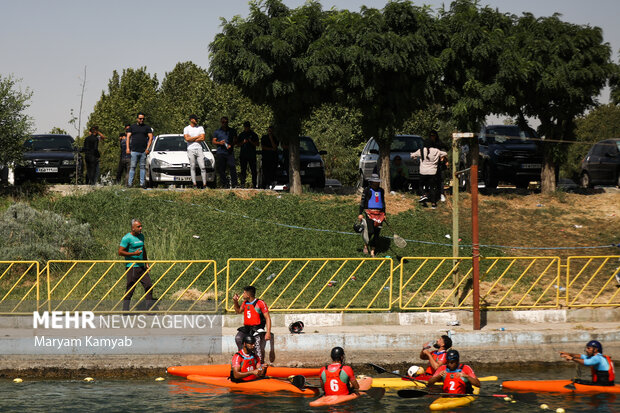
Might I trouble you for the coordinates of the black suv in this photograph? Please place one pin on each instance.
(311, 165)
(507, 154)
(48, 158)
(602, 164)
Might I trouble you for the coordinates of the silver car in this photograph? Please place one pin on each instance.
(402, 145)
(167, 162)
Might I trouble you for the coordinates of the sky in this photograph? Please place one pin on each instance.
(47, 44)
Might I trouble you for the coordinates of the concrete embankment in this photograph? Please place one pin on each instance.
(383, 338)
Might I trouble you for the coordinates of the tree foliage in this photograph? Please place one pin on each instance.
(15, 125)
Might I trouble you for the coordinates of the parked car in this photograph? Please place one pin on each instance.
(402, 145)
(311, 165)
(601, 166)
(49, 158)
(167, 162)
(506, 154)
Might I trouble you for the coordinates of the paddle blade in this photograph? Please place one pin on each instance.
(488, 378)
(411, 393)
(375, 392)
(298, 381)
(399, 241)
(570, 386)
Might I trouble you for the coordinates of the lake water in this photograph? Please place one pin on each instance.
(180, 395)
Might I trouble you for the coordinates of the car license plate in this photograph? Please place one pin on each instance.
(182, 178)
(47, 170)
(530, 166)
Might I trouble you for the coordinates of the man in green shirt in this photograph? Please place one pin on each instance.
(132, 248)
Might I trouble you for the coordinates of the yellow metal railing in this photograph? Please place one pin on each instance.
(593, 281)
(19, 287)
(441, 283)
(314, 284)
(101, 286)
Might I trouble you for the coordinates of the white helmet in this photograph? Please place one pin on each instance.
(413, 371)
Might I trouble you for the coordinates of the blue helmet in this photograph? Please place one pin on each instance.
(595, 344)
(452, 355)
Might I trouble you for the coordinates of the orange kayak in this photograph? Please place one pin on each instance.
(365, 384)
(223, 370)
(261, 385)
(557, 386)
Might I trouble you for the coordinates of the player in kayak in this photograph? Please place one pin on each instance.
(246, 365)
(435, 353)
(457, 378)
(601, 365)
(338, 379)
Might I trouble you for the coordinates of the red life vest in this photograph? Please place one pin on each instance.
(611, 372)
(454, 384)
(248, 363)
(436, 355)
(333, 385)
(251, 316)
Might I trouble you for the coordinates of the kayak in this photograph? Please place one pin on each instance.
(451, 402)
(365, 384)
(397, 383)
(260, 385)
(557, 386)
(223, 370)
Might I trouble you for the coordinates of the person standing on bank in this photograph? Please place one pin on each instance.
(248, 140)
(124, 159)
(139, 138)
(91, 155)
(256, 320)
(372, 209)
(430, 157)
(224, 138)
(269, 157)
(195, 134)
(133, 249)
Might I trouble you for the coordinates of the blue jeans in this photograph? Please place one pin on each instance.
(132, 169)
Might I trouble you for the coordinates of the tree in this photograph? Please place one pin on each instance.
(562, 69)
(264, 56)
(15, 125)
(58, 130)
(133, 91)
(383, 64)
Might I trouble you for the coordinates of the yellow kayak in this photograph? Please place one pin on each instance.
(446, 403)
(396, 383)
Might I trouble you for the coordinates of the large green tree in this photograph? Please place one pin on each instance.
(560, 70)
(264, 55)
(14, 123)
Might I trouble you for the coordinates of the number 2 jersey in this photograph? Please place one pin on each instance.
(452, 382)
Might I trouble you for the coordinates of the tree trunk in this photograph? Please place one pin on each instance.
(294, 178)
(384, 166)
(548, 172)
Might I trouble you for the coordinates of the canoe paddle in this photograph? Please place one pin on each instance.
(380, 370)
(412, 393)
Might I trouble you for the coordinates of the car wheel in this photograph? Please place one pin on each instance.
(585, 180)
(319, 183)
(490, 180)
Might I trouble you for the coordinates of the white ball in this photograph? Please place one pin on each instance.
(413, 371)
(544, 406)
(89, 379)
(17, 380)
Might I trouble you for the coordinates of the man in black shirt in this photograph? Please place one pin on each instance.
(124, 159)
(248, 140)
(269, 149)
(139, 138)
(91, 155)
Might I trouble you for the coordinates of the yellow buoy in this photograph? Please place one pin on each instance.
(544, 406)
(559, 410)
(160, 379)
(17, 380)
(507, 398)
(89, 379)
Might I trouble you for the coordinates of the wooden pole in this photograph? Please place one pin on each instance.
(455, 218)
(474, 231)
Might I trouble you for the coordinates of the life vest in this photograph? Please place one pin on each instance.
(333, 385)
(439, 357)
(376, 200)
(248, 363)
(604, 376)
(251, 315)
(454, 384)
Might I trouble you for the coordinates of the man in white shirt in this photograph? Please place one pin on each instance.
(195, 134)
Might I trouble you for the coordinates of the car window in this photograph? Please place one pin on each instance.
(307, 147)
(374, 146)
(406, 144)
(49, 143)
(599, 149)
(170, 143)
(507, 134)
